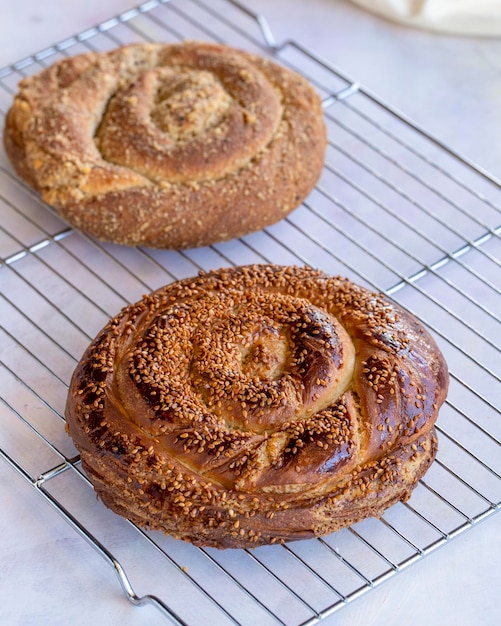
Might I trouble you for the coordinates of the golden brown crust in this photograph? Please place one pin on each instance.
(168, 145)
(257, 404)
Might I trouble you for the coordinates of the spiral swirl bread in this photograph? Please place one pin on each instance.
(168, 145)
(257, 404)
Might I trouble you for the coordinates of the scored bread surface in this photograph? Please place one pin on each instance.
(168, 145)
(257, 404)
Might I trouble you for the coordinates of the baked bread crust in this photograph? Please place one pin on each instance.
(257, 404)
(168, 145)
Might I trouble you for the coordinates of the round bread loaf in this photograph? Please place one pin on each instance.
(169, 146)
(257, 404)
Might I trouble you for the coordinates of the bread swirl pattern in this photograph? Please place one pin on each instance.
(168, 145)
(257, 404)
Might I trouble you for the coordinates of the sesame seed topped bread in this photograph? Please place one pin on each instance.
(168, 145)
(255, 405)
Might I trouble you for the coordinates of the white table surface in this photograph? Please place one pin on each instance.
(451, 86)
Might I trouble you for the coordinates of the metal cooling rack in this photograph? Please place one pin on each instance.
(394, 210)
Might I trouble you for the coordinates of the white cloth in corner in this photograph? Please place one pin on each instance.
(467, 17)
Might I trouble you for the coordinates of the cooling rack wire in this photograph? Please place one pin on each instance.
(394, 210)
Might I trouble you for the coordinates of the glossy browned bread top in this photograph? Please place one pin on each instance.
(267, 382)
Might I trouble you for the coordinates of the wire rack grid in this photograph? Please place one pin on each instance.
(394, 210)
